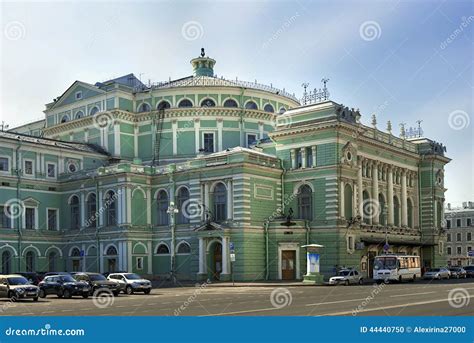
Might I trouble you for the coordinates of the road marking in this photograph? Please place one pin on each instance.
(406, 295)
(335, 302)
(239, 312)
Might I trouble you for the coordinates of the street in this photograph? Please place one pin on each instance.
(428, 298)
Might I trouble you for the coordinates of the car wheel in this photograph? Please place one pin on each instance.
(116, 293)
(413, 279)
(438, 277)
(400, 279)
(60, 293)
(85, 295)
(147, 291)
(13, 297)
(35, 299)
(42, 293)
(346, 282)
(361, 281)
(129, 290)
(67, 294)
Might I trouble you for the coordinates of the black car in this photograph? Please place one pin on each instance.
(32, 277)
(469, 271)
(98, 283)
(63, 286)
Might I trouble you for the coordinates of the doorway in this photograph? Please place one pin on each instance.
(216, 260)
(6, 262)
(288, 264)
(111, 264)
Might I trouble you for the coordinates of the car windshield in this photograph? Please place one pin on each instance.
(434, 270)
(454, 269)
(67, 278)
(385, 263)
(132, 276)
(97, 277)
(343, 273)
(17, 281)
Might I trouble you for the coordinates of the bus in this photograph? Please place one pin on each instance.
(392, 267)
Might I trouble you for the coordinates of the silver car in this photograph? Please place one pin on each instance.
(437, 273)
(346, 277)
(130, 283)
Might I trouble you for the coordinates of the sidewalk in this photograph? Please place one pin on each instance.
(273, 283)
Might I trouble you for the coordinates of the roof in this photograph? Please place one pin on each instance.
(83, 147)
(237, 150)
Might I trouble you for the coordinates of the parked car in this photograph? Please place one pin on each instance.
(106, 274)
(130, 283)
(469, 271)
(458, 272)
(437, 273)
(63, 286)
(32, 277)
(16, 287)
(98, 282)
(55, 273)
(346, 277)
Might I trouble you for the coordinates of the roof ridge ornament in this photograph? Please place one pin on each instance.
(203, 53)
(315, 96)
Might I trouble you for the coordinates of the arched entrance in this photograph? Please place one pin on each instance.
(6, 262)
(215, 260)
(112, 256)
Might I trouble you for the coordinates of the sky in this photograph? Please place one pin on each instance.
(400, 60)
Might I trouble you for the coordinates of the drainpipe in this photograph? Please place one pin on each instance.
(172, 222)
(18, 219)
(97, 223)
(267, 271)
(241, 115)
(282, 180)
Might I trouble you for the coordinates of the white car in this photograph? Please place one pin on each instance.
(346, 277)
(130, 283)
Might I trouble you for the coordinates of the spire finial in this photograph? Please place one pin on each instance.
(203, 53)
(374, 121)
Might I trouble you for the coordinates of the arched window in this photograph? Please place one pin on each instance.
(282, 110)
(30, 261)
(52, 259)
(220, 202)
(410, 213)
(163, 105)
(382, 210)
(182, 202)
(144, 107)
(75, 252)
(396, 211)
(185, 103)
(208, 103)
(6, 262)
(184, 248)
(305, 203)
(94, 110)
(91, 205)
(162, 250)
(348, 201)
(110, 208)
(65, 119)
(162, 202)
(230, 103)
(75, 212)
(79, 115)
(366, 207)
(251, 105)
(438, 214)
(268, 108)
(111, 251)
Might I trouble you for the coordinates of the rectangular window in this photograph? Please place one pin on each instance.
(78, 95)
(449, 250)
(469, 236)
(52, 219)
(28, 167)
(30, 218)
(51, 170)
(448, 237)
(309, 157)
(298, 158)
(468, 222)
(139, 263)
(458, 223)
(448, 224)
(350, 243)
(469, 249)
(251, 140)
(208, 142)
(5, 221)
(458, 237)
(459, 250)
(3, 164)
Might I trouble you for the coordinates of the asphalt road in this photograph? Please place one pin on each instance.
(407, 299)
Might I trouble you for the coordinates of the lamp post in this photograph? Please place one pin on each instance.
(172, 210)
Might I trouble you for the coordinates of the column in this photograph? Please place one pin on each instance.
(360, 190)
(128, 195)
(148, 206)
(225, 255)
(86, 135)
(390, 196)
(101, 257)
(206, 197)
(197, 135)
(129, 265)
(116, 138)
(313, 151)
(83, 210)
(83, 247)
(260, 130)
(135, 141)
(150, 258)
(293, 158)
(202, 256)
(120, 256)
(341, 204)
(100, 204)
(229, 200)
(404, 198)
(303, 157)
(354, 198)
(174, 127)
(375, 195)
(220, 126)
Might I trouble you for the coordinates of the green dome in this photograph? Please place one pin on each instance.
(203, 66)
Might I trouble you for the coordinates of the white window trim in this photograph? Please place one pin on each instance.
(55, 170)
(32, 175)
(247, 138)
(8, 171)
(23, 217)
(57, 217)
(213, 138)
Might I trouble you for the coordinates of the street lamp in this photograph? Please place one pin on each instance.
(172, 210)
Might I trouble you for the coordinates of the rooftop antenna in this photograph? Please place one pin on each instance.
(140, 76)
(420, 130)
(325, 89)
(3, 126)
(305, 85)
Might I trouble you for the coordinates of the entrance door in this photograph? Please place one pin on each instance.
(288, 264)
(370, 266)
(6, 262)
(217, 261)
(76, 265)
(111, 265)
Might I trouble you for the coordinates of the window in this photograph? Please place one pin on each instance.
(3, 164)
(5, 221)
(29, 167)
(6, 262)
(65, 119)
(469, 248)
(74, 212)
(162, 250)
(144, 108)
(185, 103)
(459, 250)
(305, 203)
(347, 201)
(448, 237)
(251, 105)
(350, 243)
(79, 95)
(30, 261)
(282, 110)
(94, 110)
(230, 103)
(91, 205)
(110, 209)
(251, 139)
(182, 202)
(208, 103)
(468, 236)
(220, 202)
(52, 258)
(448, 223)
(75, 252)
(458, 237)
(268, 108)
(51, 170)
(139, 263)
(79, 115)
(111, 251)
(458, 223)
(208, 142)
(396, 211)
(409, 213)
(309, 157)
(162, 202)
(30, 218)
(449, 250)
(52, 219)
(163, 105)
(299, 159)
(184, 248)
(468, 222)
